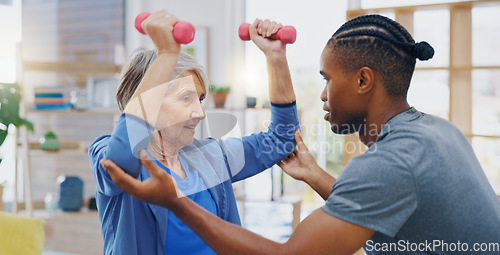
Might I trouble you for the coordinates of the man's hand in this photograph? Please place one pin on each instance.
(300, 162)
(159, 189)
(301, 165)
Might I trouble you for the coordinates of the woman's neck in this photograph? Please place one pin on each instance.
(166, 154)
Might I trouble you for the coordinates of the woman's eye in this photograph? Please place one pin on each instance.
(202, 99)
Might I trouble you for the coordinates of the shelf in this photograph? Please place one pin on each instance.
(86, 68)
(75, 112)
(60, 152)
(66, 148)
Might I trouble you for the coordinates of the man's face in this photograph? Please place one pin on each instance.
(339, 96)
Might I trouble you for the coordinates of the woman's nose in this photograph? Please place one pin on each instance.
(198, 112)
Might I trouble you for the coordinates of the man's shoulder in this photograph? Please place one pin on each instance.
(417, 134)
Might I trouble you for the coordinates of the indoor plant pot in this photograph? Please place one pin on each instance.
(219, 95)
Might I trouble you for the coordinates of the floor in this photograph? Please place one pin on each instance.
(72, 233)
(79, 233)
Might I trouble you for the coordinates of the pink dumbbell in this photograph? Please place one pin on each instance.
(183, 31)
(286, 34)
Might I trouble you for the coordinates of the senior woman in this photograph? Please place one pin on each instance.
(160, 97)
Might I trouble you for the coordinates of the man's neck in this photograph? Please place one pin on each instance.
(377, 117)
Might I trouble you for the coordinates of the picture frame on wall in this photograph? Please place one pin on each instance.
(101, 93)
(198, 48)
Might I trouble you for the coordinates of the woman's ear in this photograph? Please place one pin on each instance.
(366, 79)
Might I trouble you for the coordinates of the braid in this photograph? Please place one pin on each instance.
(383, 45)
(385, 29)
(394, 28)
(378, 34)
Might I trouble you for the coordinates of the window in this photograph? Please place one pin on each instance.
(485, 102)
(429, 92)
(366, 4)
(10, 13)
(433, 26)
(485, 35)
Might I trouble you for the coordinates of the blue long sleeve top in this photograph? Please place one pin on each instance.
(130, 226)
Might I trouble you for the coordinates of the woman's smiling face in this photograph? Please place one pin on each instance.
(181, 110)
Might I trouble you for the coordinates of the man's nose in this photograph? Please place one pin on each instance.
(324, 95)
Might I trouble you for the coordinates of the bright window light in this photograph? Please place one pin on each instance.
(393, 3)
(10, 13)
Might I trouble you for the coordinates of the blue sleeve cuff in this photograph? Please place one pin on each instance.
(284, 119)
(284, 105)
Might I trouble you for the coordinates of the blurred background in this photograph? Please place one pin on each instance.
(74, 50)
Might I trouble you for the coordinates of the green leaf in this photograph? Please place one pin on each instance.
(22, 122)
(3, 135)
(219, 89)
(10, 97)
(50, 134)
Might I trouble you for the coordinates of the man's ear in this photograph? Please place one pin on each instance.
(366, 80)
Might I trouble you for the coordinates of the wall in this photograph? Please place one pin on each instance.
(220, 17)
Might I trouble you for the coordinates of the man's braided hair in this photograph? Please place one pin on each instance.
(383, 45)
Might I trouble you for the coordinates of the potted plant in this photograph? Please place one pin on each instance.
(219, 94)
(10, 97)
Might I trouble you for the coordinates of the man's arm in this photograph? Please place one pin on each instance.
(319, 233)
(301, 165)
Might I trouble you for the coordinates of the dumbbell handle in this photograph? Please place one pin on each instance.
(183, 31)
(286, 34)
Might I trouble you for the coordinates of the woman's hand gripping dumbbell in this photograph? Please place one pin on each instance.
(286, 34)
(182, 31)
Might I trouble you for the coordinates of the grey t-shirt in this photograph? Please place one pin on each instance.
(421, 188)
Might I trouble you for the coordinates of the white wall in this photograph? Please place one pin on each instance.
(220, 17)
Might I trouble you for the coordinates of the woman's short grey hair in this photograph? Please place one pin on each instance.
(137, 65)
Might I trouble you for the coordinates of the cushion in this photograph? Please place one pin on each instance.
(21, 235)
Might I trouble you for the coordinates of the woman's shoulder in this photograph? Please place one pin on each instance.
(202, 144)
(99, 142)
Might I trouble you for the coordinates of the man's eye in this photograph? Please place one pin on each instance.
(186, 99)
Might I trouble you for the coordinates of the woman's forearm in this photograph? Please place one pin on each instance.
(280, 81)
(147, 99)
